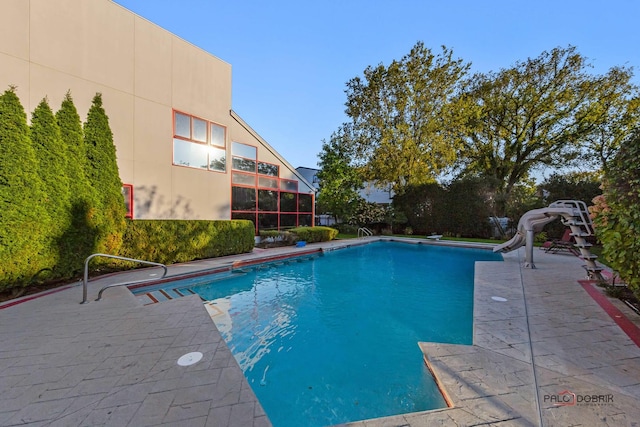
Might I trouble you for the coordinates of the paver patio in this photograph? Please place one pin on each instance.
(113, 362)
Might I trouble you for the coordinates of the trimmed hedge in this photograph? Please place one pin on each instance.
(172, 241)
(314, 234)
(24, 219)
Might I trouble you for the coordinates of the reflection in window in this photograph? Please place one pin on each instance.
(243, 199)
(267, 182)
(217, 159)
(197, 147)
(288, 220)
(243, 164)
(268, 200)
(188, 154)
(305, 203)
(288, 185)
(182, 125)
(244, 150)
(288, 202)
(243, 179)
(268, 221)
(268, 169)
(199, 130)
(305, 220)
(217, 135)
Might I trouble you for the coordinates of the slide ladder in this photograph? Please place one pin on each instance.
(581, 228)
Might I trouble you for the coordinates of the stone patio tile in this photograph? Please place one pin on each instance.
(153, 409)
(179, 414)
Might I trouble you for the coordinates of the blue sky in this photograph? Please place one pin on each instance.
(291, 59)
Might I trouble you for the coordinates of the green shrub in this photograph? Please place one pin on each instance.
(102, 172)
(80, 237)
(24, 220)
(52, 167)
(172, 241)
(617, 214)
(315, 234)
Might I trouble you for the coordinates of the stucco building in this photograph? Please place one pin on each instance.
(183, 153)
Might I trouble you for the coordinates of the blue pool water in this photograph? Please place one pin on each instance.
(334, 338)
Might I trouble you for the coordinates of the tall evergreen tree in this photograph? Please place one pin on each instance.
(23, 218)
(102, 172)
(52, 168)
(85, 215)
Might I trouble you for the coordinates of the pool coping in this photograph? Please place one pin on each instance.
(611, 366)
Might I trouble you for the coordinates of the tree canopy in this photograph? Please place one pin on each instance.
(405, 117)
(339, 179)
(536, 113)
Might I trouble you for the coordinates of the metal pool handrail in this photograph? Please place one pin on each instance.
(86, 274)
(364, 232)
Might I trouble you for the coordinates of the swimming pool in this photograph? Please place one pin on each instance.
(333, 338)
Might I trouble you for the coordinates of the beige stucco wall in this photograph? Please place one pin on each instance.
(49, 47)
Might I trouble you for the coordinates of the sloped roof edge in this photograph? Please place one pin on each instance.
(272, 150)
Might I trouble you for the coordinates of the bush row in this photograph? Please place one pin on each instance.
(293, 235)
(171, 241)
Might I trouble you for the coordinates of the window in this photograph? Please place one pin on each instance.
(305, 203)
(127, 193)
(288, 185)
(268, 200)
(243, 179)
(267, 182)
(268, 169)
(288, 202)
(243, 199)
(258, 193)
(243, 157)
(198, 143)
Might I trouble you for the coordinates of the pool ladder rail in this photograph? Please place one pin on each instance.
(364, 232)
(85, 279)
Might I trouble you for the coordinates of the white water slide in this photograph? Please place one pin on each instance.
(573, 213)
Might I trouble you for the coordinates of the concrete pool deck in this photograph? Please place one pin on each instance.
(113, 362)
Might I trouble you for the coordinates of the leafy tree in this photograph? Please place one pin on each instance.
(23, 219)
(368, 213)
(535, 114)
(571, 186)
(468, 205)
(406, 118)
(614, 114)
(85, 215)
(424, 207)
(339, 179)
(52, 159)
(102, 172)
(617, 213)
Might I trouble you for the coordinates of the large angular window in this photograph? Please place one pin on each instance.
(198, 143)
(258, 193)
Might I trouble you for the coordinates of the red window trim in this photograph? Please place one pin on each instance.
(129, 213)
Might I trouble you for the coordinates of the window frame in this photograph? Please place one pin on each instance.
(127, 194)
(207, 143)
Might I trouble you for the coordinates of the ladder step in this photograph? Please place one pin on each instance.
(581, 234)
(584, 245)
